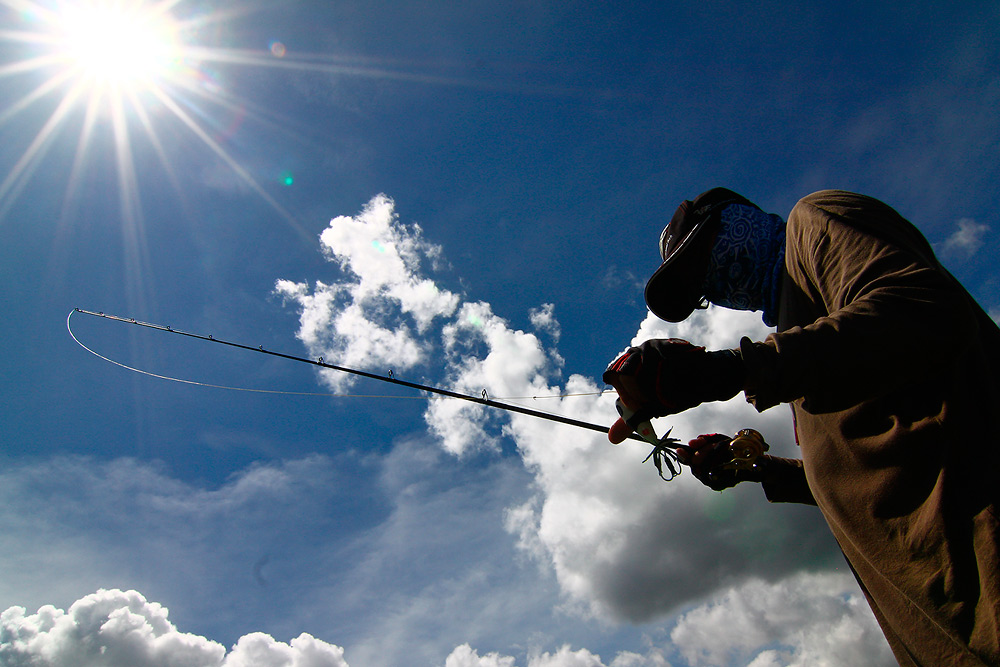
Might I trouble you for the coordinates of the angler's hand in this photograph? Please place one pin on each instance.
(666, 376)
(707, 454)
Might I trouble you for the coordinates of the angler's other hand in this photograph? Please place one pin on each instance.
(707, 454)
(666, 376)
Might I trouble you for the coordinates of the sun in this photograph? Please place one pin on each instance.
(129, 68)
(114, 44)
(122, 93)
(143, 84)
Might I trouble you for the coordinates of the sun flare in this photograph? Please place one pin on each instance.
(117, 44)
(127, 88)
(128, 67)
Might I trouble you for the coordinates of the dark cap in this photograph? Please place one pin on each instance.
(675, 290)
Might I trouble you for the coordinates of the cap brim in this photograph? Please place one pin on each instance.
(675, 289)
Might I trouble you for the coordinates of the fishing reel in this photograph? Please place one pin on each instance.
(744, 451)
(746, 448)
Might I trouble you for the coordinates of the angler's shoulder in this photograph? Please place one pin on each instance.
(850, 208)
(850, 214)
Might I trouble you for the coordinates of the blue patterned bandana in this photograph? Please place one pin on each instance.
(748, 256)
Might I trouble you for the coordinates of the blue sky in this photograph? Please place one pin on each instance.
(467, 195)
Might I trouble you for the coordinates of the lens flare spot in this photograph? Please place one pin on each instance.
(720, 506)
(286, 178)
(278, 49)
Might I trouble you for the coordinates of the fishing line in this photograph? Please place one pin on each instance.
(481, 400)
(291, 393)
(206, 384)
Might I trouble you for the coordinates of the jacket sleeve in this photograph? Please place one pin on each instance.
(785, 482)
(876, 310)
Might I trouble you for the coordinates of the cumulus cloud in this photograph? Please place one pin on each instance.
(466, 656)
(374, 316)
(380, 315)
(622, 544)
(543, 319)
(114, 628)
(226, 555)
(803, 620)
(485, 353)
(815, 619)
(261, 650)
(398, 557)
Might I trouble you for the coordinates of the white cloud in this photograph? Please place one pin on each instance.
(715, 328)
(543, 319)
(816, 619)
(803, 620)
(621, 543)
(218, 554)
(114, 628)
(441, 565)
(967, 239)
(567, 657)
(395, 556)
(484, 353)
(261, 650)
(365, 319)
(465, 656)
(386, 257)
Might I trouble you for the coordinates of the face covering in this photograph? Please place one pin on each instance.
(747, 260)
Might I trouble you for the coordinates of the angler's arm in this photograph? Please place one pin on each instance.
(885, 316)
(784, 481)
(720, 462)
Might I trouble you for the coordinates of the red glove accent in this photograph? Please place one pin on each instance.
(667, 376)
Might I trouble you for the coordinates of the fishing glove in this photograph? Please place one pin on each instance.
(710, 459)
(666, 376)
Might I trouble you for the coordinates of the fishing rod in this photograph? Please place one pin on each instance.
(481, 400)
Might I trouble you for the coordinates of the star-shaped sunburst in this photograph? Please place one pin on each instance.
(117, 61)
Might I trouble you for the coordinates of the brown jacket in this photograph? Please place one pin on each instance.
(892, 372)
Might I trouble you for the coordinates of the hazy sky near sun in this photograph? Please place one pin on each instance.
(467, 195)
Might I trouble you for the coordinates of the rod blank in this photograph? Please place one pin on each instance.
(481, 400)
